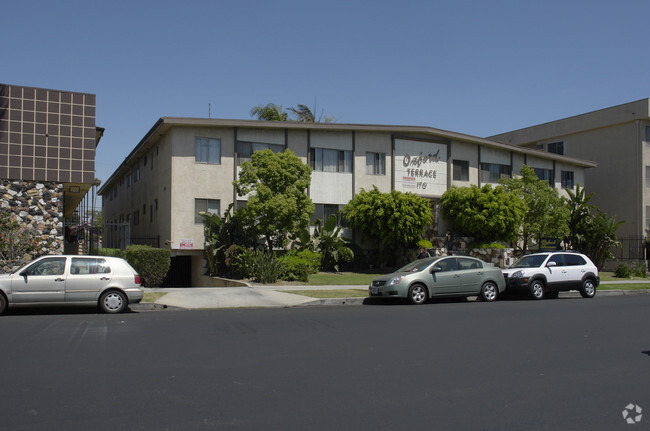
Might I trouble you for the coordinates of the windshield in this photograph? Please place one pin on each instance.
(532, 261)
(417, 265)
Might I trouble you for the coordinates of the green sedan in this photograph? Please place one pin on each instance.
(441, 277)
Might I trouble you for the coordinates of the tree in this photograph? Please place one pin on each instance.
(326, 241)
(15, 241)
(269, 112)
(278, 206)
(589, 233)
(546, 213)
(486, 213)
(392, 220)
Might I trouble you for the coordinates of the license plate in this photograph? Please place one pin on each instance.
(374, 291)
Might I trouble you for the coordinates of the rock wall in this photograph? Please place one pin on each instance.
(38, 207)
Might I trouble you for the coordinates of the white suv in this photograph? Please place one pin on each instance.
(544, 275)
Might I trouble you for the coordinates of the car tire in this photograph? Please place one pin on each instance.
(3, 303)
(588, 288)
(489, 292)
(537, 289)
(113, 302)
(418, 294)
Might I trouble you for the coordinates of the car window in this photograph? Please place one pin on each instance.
(574, 260)
(531, 261)
(447, 264)
(558, 259)
(465, 263)
(417, 265)
(50, 266)
(85, 266)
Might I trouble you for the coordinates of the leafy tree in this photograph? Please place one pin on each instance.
(589, 233)
(392, 220)
(328, 242)
(485, 213)
(15, 241)
(278, 206)
(546, 213)
(269, 112)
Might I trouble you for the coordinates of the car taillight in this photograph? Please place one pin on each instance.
(137, 279)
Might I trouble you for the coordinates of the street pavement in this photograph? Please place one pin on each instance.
(262, 296)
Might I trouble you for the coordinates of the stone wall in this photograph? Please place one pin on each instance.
(38, 208)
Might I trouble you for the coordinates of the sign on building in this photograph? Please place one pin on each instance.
(420, 167)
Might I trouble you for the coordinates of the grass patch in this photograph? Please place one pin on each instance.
(152, 296)
(331, 293)
(609, 276)
(341, 278)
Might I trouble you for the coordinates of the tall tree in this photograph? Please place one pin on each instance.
(485, 213)
(546, 213)
(269, 112)
(591, 231)
(278, 206)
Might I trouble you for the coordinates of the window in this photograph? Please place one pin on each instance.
(329, 160)
(50, 266)
(567, 179)
(545, 174)
(461, 170)
(447, 264)
(556, 148)
(246, 149)
(205, 205)
(647, 176)
(136, 175)
(465, 263)
(376, 163)
(557, 258)
(647, 218)
(207, 150)
(323, 211)
(136, 218)
(492, 172)
(129, 178)
(150, 213)
(574, 260)
(86, 266)
(647, 134)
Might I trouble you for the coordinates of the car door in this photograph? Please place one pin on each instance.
(446, 280)
(576, 267)
(472, 275)
(88, 277)
(41, 282)
(556, 274)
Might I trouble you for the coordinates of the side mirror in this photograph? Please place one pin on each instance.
(23, 273)
(550, 264)
(436, 268)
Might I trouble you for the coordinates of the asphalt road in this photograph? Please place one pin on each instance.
(511, 365)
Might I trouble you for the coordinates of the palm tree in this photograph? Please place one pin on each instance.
(269, 112)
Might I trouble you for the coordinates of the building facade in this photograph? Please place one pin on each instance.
(186, 165)
(618, 139)
(48, 140)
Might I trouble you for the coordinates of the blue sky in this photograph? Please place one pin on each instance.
(475, 67)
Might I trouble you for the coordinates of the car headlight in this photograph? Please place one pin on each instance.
(517, 274)
(395, 280)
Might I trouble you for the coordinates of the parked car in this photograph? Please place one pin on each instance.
(108, 282)
(544, 275)
(440, 276)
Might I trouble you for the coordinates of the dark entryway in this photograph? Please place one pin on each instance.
(180, 272)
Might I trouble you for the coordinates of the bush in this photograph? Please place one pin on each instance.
(299, 265)
(112, 252)
(622, 271)
(265, 267)
(151, 263)
(425, 243)
(477, 245)
(641, 269)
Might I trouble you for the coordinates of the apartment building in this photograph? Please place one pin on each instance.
(184, 166)
(618, 140)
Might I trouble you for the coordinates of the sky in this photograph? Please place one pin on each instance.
(474, 67)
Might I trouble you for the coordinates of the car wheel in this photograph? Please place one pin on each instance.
(537, 289)
(113, 302)
(418, 294)
(588, 289)
(489, 292)
(3, 303)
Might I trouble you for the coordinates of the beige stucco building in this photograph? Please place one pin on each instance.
(618, 139)
(187, 165)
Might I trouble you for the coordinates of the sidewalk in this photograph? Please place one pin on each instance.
(260, 296)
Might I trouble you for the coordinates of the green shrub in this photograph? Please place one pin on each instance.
(266, 268)
(476, 245)
(641, 269)
(299, 265)
(114, 252)
(151, 263)
(346, 258)
(622, 271)
(425, 243)
(242, 261)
